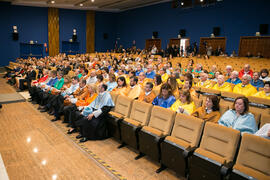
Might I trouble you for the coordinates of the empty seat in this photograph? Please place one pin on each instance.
(176, 148)
(260, 104)
(265, 118)
(253, 160)
(121, 110)
(114, 97)
(139, 117)
(257, 116)
(216, 152)
(150, 136)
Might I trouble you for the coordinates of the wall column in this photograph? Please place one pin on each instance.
(90, 32)
(53, 31)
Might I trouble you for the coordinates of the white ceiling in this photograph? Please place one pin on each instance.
(98, 5)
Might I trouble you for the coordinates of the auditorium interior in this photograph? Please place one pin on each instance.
(135, 89)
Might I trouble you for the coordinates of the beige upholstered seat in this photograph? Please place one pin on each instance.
(265, 118)
(161, 121)
(122, 107)
(254, 157)
(219, 143)
(223, 108)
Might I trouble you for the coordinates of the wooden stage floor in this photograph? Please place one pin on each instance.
(32, 147)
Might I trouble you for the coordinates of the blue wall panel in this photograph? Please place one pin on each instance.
(69, 20)
(235, 18)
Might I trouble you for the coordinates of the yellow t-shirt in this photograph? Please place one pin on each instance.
(262, 94)
(189, 108)
(225, 87)
(247, 90)
(206, 84)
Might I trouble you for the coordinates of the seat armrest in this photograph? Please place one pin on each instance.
(226, 168)
(189, 151)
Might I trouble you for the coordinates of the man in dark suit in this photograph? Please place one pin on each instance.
(31, 75)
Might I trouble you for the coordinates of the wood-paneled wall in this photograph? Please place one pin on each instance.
(214, 42)
(90, 31)
(53, 31)
(149, 43)
(254, 45)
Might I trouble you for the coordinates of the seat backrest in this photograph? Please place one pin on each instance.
(226, 103)
(220, 140)
(257, 116)
(123, 105)
(265, 118)
(231, 94)
(254, 153)
(141, 112)
(188, 129)
(210, 91)
(162, 119)
(258, 100)
(114, 96)
(223, 108)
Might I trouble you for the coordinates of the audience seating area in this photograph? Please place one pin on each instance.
(187, 144)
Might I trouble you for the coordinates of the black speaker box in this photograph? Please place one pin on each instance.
(155, 34)
(182, 32)
(105, 36)
(15, 36)
(216, 31)
(263, 29)
(74, 38)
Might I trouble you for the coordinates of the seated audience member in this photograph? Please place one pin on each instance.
(264, 75)
(264, 131)
(265, 93)
(217, 73)
(150, 73)
(204, 82)
(184, 104)
(188, 87)
(173, 83)
(213, 70)
(147, 95)
(111, 83)
(92, 123)
(99, 80)
(245, 87)
(92, 79)
(209, 111)
(157, 84)
(134, 89)
(256, 82)
(239, 118)
(121, 88)
(30, 76)
(165, 98)
(246, 71)
(164, 75)
(221, 85)
(138, 70)
(228, 71)
(198, 68)
(142, 80)
(234, 79)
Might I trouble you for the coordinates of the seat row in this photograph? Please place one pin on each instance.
(187, 144)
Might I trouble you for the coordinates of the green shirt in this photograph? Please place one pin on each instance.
(59, 84)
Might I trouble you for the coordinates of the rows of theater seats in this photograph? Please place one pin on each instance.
(187, 144)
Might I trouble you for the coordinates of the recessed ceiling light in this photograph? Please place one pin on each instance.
(92, 0)
(52, 2)
(44, 162)
(81, 4)
(54, 177)
(201, 0)
(182, 3)
(35, 150)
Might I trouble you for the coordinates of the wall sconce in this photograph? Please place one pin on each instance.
(74, 36)
(15, 34)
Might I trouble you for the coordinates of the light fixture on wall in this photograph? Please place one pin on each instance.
(74, 36)
(15, 34)
(52, 2)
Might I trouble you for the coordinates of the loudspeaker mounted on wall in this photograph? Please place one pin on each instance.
(155, 34)
(105, 36)
(182, 32)
(263, 29)
(74, 37)
(15, 34)
(216, 31)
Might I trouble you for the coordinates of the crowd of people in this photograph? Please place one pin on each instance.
(78, 87)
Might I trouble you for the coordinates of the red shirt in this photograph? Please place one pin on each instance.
(242, 72)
